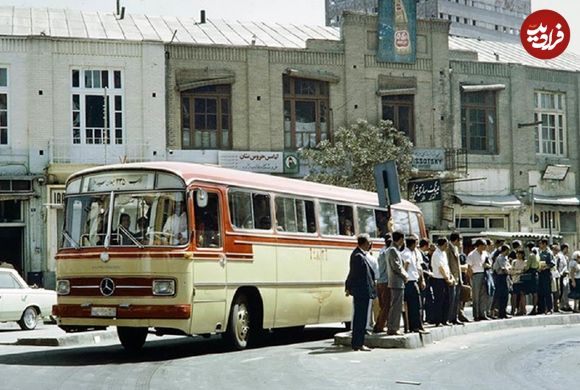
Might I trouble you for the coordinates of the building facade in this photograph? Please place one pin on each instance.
(495, 20)
(221, 92)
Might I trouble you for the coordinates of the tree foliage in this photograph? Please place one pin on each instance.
(349, 160)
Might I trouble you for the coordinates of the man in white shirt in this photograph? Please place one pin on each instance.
(175, 227)
(476, 265)
(441, 281)
(411, 262)
(562, 264)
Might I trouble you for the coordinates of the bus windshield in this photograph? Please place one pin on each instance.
(133, 219)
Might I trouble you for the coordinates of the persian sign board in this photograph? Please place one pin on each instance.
(397, 31)
(425, 191)
(429, 159)
(264, 162)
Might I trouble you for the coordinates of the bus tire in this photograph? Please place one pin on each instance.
(242, 324)
(132, 339)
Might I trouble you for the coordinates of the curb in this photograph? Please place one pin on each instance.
(416, 340)
(96, 337)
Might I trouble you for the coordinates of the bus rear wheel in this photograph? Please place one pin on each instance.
(132, 339)
(241, 331)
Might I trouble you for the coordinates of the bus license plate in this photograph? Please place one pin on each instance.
(103, 311)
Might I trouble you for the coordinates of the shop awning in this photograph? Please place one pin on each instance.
(502, 201)
(570, 200)
(517, 235)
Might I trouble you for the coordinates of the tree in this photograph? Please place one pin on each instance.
(349, 160)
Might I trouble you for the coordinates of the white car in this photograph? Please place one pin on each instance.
(22, 303)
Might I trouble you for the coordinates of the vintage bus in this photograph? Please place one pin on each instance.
(197, 249)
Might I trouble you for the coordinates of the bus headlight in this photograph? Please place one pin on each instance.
(63, 287)
(164, 287)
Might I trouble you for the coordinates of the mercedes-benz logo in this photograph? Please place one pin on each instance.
(107, 287)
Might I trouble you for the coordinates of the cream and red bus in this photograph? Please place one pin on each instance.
(195, 249)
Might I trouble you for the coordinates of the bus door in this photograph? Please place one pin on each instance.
(209, 265)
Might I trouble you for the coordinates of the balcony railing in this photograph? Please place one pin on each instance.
(63, 151)
(456, 160)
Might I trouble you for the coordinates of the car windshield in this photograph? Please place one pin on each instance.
(136, 219)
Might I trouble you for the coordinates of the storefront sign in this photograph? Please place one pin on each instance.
(429, 159)
(425, 191)
(264, 162)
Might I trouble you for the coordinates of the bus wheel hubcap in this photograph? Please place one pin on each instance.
(243, 323)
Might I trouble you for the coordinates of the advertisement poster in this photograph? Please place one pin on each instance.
(397, 31)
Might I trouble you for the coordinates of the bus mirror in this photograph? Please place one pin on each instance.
(201, 198)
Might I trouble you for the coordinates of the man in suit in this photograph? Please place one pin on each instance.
(397, 277)
(360, 284)
(455, 268)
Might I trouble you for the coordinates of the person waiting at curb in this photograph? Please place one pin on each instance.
(383, 292)
(412, 263)
(397, 277)
(360, 284)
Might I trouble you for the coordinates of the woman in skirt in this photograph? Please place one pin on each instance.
(518, 291)
(574, 267)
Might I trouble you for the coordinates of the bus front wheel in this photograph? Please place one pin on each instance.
(241, 330)
(132, 339)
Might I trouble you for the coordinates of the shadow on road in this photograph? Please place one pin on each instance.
(154, 351)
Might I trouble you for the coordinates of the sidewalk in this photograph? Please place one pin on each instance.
(416, 340)
(52, 336)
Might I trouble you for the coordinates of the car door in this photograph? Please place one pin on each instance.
(11, 294)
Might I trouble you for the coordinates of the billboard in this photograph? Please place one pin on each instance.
(397, 31)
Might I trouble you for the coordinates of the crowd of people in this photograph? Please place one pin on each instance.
(424, 282)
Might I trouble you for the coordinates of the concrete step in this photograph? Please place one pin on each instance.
(416, 340)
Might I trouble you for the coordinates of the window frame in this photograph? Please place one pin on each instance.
(109, 133)
(252, 192)
(296, 198)
(559, 115)
(398, 102)
(220, 97)
(319, 99)
(5, 90)
(489, 106)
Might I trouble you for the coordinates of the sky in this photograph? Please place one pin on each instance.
(282, 11)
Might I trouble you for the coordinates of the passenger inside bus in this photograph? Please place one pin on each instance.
(142, 224)
(123, 232)
(175, 227)
(207, 228)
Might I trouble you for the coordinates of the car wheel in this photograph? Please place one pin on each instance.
(29, 319)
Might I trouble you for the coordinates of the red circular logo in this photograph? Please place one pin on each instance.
(545, 34)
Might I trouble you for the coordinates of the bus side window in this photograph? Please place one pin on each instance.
(262, 217)
(382, 220)
(305, 216)
(345, 220)
(286, 217)
(414, 222)
(366, 221)
(207, 222)
(241, 209)
(401, 218)
(328, 219)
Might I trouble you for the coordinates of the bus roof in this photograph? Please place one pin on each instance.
(191, 172)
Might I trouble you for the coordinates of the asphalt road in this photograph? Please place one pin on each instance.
(528, 358)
